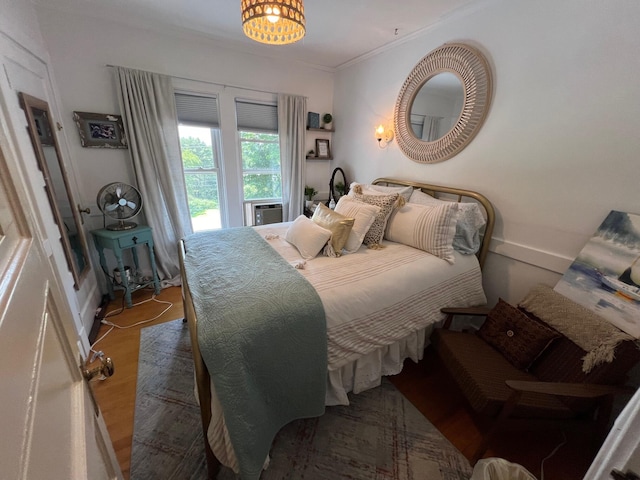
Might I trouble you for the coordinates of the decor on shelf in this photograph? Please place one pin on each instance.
(274, 22)
(98, 130)
(322, 148)
(313, 120)
(421, 133)
(385, 135)
(309, 193)
(327, 119)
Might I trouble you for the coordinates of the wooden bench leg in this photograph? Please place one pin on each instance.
(506, 411)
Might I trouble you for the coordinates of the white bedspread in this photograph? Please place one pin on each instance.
(374, 298)
(380, 305)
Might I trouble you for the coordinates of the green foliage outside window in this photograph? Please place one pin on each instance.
(260, 165)
(202, 188)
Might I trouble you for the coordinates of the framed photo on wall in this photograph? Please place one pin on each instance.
(322, 148)
(99, 130)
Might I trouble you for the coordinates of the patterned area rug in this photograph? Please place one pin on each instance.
(380, 436)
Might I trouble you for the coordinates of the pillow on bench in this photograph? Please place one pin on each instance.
(517, 337)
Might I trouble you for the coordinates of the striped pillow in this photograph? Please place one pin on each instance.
(429, 228)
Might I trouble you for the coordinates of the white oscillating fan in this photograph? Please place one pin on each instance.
(119, 201)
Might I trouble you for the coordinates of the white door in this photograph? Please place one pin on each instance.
(51, 427)
(621, 449)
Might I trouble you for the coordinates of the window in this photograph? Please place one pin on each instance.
(260, 150)
(218, 187)
(200, 146)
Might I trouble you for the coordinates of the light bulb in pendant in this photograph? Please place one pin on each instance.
(273, 14)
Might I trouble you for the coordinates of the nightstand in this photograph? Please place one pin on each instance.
(117, 241)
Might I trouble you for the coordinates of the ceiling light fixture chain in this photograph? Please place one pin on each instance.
(274, 22)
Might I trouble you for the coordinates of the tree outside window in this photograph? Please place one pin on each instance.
(261, 165)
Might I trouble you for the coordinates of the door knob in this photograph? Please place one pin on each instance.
(628, 475)
(83, 210)
(105, 369)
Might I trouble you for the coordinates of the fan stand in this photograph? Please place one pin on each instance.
(122, 225)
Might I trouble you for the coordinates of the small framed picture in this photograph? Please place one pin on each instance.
(100, 130)
(322, 148)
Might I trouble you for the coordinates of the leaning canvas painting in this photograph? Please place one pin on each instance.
(605, 277)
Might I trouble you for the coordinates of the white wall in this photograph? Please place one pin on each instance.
(560, 145)
(26, 68)
(81, 47)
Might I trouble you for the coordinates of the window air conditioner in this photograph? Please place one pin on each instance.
(263, 213)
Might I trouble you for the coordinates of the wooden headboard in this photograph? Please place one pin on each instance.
(457, 195)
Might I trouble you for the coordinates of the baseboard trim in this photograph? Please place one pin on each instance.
(539, 258)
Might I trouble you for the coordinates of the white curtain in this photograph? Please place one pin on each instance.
(292, 112)
(148, 109)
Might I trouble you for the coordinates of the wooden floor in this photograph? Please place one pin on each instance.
(425, 384)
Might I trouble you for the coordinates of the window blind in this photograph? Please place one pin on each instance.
(197, 110)
(256, 117)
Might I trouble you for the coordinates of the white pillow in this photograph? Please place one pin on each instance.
(470, 220)
(429, 228)
(364, 215)
(370, 189)
(307, 236)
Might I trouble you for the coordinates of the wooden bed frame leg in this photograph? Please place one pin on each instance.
(213, 464)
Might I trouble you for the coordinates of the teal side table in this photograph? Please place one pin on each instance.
(117, 241)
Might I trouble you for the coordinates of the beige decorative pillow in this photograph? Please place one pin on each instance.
(429, 228)
(386, 203)
(339, 225)
(364, 215)
(307, 236)
(370, 189)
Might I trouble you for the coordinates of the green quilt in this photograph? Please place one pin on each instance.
(262, 332)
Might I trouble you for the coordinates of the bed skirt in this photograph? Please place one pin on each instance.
(362, 374)
(367, 371)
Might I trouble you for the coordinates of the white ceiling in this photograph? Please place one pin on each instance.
(338, 31)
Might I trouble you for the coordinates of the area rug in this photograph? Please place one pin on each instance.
(380, 436)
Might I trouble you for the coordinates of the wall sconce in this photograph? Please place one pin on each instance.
(384, 136)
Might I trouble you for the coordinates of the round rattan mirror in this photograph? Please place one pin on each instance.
(472, 71)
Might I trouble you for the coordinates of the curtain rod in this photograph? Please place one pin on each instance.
(225, 85)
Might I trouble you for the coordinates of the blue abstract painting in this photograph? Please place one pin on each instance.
(605, 276)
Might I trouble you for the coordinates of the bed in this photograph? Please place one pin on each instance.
(379, 305)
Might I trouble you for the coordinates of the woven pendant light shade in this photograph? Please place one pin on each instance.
(274, 22)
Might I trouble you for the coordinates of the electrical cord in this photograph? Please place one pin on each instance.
(118, 312)
(553, 452)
